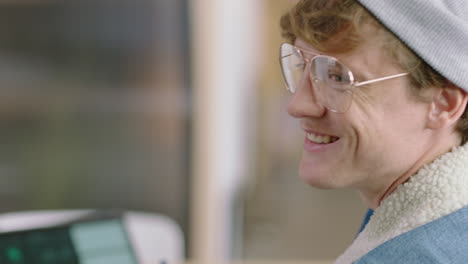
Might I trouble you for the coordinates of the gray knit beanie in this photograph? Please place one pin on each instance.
(436, 30)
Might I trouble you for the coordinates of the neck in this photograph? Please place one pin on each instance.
(372, 197)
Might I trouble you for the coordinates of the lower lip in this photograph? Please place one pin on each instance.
(315, 147)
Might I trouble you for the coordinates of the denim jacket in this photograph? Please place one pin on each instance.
(425, 220)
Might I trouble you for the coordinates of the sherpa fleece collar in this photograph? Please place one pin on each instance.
(436, 190)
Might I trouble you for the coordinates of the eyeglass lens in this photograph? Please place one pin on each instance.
(331, 80)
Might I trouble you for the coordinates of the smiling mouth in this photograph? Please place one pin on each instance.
(321, 139)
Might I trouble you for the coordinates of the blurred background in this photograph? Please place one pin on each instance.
(168, 106)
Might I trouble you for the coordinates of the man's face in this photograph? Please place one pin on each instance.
(380, 137)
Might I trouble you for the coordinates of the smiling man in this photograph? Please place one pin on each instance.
(380, 88)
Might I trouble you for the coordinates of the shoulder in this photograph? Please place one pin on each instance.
(444, 240)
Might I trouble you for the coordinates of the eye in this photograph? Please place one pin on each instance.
(337, 78)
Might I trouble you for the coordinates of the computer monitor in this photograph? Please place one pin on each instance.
(87, 241)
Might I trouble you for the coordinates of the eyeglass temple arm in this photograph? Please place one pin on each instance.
(380, 79)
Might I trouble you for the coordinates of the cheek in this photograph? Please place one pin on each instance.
(377, 123)
(363, 117)
(379, 109)
(369, 131)
(386, 132)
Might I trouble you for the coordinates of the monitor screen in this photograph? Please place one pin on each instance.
(89, 242)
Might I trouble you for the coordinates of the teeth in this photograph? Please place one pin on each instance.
(321, 139)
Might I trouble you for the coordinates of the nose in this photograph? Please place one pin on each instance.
(303, 102)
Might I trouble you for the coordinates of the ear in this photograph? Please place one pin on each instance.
(448, 104)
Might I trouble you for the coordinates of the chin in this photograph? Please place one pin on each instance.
(322, 172)
(319, 181)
